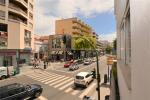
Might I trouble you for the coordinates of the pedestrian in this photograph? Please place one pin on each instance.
(47, 61)
(44, 64)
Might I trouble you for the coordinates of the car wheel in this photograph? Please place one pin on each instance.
(37, 94)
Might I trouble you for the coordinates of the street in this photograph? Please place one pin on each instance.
(58, 84)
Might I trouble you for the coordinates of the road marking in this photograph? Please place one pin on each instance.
(59, 81)
(42, 98)
(63, 83)
(42, 78)
(54, 79)
(63, 87)
(92, 86)
(49, 78)
(68, 90)
(75, 92)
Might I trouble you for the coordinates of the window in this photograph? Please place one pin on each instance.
(31, 16)
(30, 25)
(125, 40)
(2, 14)
(128, 39)
(31, 6)
(79, 77)
(2, 2)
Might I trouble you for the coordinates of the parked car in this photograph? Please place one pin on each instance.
(83, 79)
(5, 71)
(79, 61)
(18, 91)
(67, 64)
(87, 62)
(73, 66)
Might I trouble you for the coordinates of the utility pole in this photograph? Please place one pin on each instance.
(98, 76)
(64, 41)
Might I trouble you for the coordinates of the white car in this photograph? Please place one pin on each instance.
(3, 71)
(83, 79)
(87, 62)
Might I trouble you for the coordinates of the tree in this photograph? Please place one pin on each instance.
(84, 43)
(115, 44)
(108, 49)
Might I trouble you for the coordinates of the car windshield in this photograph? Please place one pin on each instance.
(79, 77)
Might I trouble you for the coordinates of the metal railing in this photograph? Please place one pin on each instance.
(17, 9)
(23, 2)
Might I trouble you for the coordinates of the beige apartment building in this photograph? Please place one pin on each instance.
(16, 27)
(16, 24)
(133, 48)
(72, 26)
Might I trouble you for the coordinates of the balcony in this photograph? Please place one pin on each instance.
(22, 2)
(17, 10)
(17, 21)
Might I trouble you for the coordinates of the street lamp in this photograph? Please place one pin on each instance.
(98, 74)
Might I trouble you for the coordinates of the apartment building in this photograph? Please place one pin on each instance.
(16, 25)
(133, 46)
(72, 26)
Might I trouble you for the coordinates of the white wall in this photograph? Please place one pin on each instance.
(140, 29)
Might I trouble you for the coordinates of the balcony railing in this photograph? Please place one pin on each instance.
(22, 2)
(17, 9)
(17, 21)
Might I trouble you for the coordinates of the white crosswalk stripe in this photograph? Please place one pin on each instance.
(58, 81)
(67, 81)
(63, 87)
(61, 82)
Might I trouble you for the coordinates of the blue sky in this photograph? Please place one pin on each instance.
(96, 13)
(102, 23)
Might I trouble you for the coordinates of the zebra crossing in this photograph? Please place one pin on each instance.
(60, 82)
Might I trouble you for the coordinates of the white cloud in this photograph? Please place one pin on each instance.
(110, 36)
(47, 11)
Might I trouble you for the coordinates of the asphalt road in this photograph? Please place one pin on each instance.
(58, 84)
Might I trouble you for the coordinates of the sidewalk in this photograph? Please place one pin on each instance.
(104, 90)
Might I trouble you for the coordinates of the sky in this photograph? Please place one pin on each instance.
(99, 14)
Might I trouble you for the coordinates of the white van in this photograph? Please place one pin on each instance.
(83, 78)
(3, 71)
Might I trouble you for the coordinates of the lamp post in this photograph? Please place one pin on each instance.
(97, 67)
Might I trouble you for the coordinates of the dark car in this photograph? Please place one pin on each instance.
(73, 66)
(17, 91)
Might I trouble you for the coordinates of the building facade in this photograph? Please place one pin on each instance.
(75, 28)
(133, 46)
(57, 49)
(16, 27)
(40, 46)
(72, 26)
